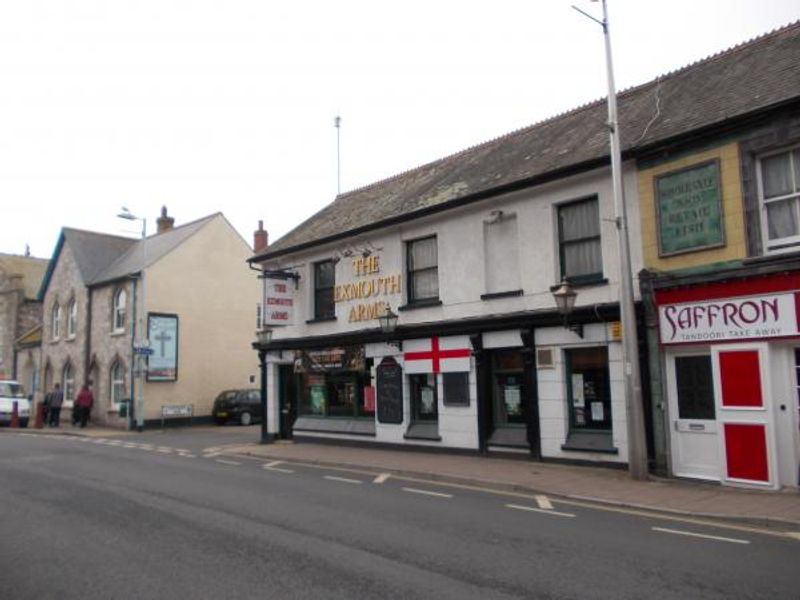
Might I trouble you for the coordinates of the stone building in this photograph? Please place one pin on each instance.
(199, 313)
(20, 311)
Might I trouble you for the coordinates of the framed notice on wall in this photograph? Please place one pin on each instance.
(162, 331)
(689, 209)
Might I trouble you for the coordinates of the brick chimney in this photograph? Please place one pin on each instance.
(165, 222)
(260, 239)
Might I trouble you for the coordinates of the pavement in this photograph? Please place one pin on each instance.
(602, 485)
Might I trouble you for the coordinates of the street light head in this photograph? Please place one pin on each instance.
(388, 321)
(565, 298)
(264, 336)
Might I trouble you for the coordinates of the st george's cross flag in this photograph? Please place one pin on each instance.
(437, 355)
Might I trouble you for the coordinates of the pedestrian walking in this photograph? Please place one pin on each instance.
(56, 400)
(83, 404)
(46, 408)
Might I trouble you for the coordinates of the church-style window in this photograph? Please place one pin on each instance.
(120, 309)
(56, 321)
(117, 384)
(72, 318)
(68, 383)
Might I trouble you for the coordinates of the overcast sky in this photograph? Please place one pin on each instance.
(228, 105)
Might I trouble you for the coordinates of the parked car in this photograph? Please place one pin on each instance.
(242, 406)
(10, 392)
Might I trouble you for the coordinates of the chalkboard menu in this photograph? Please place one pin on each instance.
(390, 391)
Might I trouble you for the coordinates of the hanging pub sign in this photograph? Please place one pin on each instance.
(689, 209)
(725, 319)
(278, 301)
(162, 363)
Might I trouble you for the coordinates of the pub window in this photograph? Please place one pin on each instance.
(324, 281)
(333, 384)
(456, 389)
(579, 241)
(423, 270)
(779, 194)
(424, 402)
(589, 393)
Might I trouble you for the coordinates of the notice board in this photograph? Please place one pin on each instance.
(390, 392)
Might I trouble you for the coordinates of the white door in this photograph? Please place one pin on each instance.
(692, 409)
(745, 414)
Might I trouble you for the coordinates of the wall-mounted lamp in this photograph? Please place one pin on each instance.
(388, 323)
(565, 302)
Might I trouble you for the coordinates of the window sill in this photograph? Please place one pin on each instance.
(70, 338)
(590, 441)
(343, 425)
(494, 295)
(320, 320)
(423, 431)
(117, 332)
(421, 304)
(579, 283)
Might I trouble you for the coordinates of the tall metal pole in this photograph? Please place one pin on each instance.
(637, 449)
(337, 122)
(142, 334)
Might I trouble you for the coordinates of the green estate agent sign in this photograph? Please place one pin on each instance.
(689, 209)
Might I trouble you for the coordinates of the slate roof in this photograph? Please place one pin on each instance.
(32, 271)
(102, 258)
(158, 246)
(746, 79)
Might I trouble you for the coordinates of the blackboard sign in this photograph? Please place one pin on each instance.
(689, 209)
(390, 391)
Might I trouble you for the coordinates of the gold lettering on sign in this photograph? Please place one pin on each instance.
(367, 288)
(367, 312)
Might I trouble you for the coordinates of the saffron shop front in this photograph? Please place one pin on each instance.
(731, 349)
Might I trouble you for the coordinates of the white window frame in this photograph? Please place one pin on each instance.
(788, 244)
(55, 321)
(72, 318)
(120, 311)
(117, 385)
(68, 382)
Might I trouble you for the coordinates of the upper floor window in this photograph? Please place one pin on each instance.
(779, 191)
(56, 321)
(579, 240)
(422, 262)
(324, 282)
(72, 318)
(120, 305)
(501, 252)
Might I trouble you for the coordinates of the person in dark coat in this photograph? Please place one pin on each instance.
(83, 404)
(56, 400)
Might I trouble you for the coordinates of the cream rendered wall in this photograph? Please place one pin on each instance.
(460, 246)
(206, 281)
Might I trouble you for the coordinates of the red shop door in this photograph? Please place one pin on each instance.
(744, 414)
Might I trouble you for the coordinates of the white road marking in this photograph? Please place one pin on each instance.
(555, 513)
(267, 467)
(343, 479)
(211, 454)
(165, 450)
(700, 535)
(426, 492)
(114, 443)
(130, 445)
(100, 441)
(381, 478)
(184, 450)
(544, 502)
(274, 463)
(228, 462)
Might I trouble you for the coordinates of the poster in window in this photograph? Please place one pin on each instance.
(318, 394)
(513, 400)
(427, 406)
(580, 416)
(162, 331)
(598, 412)
(689, 209)
(577, 389)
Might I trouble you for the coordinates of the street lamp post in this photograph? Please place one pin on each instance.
(637, 449)
(140, 336)
(264, 336)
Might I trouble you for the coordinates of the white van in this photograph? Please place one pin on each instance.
(10, 392)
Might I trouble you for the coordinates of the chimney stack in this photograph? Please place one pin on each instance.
(165, 222)
(260, 239)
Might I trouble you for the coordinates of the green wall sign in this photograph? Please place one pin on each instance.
(689, 209)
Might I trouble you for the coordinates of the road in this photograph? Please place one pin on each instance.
(168, 516)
